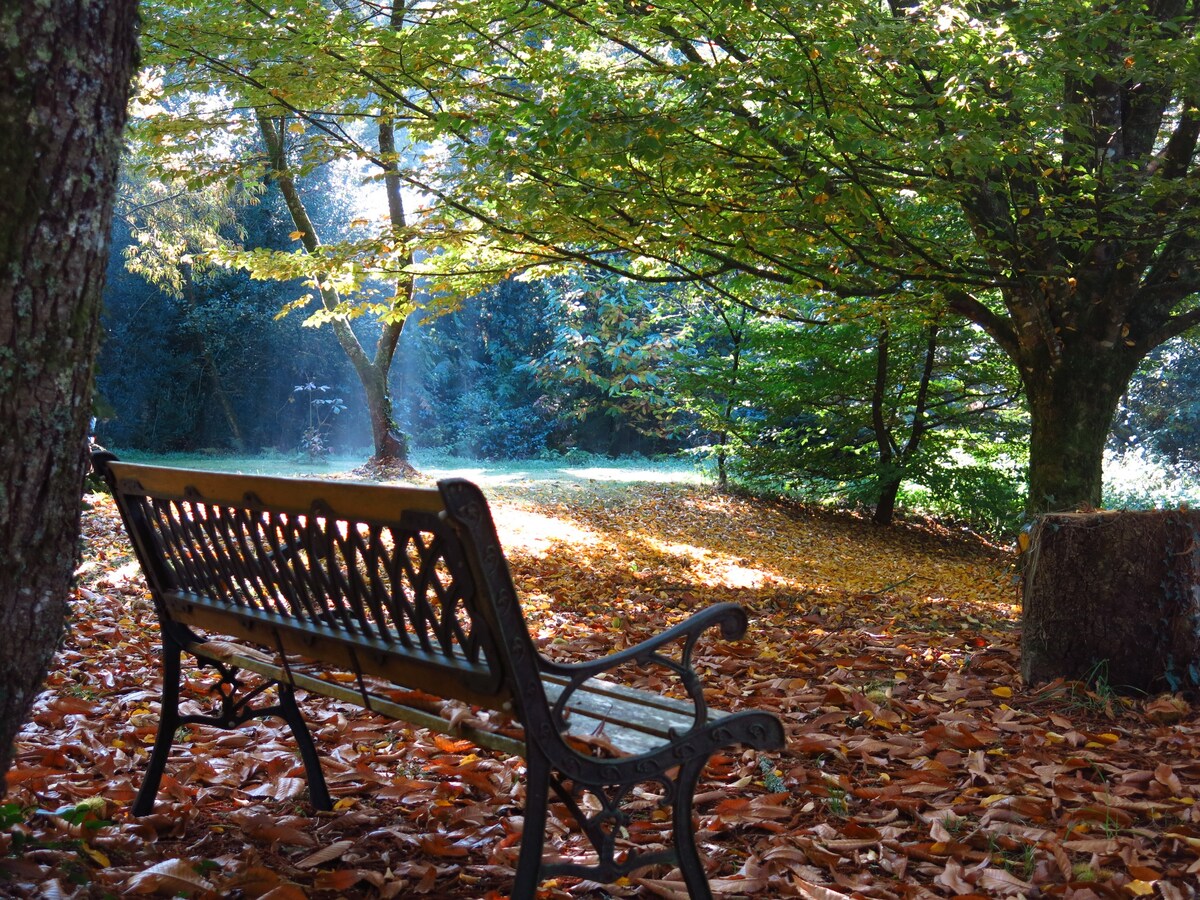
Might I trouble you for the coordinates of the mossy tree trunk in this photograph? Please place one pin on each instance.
(1114, 598)
(64, 82)
(1071, 408)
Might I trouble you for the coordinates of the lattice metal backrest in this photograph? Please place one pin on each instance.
(370, 576)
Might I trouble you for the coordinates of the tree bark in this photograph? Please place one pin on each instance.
(1113, 598)
(64, 82)
(889, 481)
(1071, 409)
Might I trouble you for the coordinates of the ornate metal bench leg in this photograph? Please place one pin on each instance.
(537, 796)
(690, 864)
(168, 722)
(318, 792)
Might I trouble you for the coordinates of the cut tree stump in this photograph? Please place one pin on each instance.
(1114, 597)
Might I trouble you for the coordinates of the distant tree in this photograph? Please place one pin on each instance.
(467, 387)
(194, 356)
(271, 97)
(607, 365)
(861, 409)
(64, 81)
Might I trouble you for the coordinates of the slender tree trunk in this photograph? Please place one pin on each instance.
(736, 332)
(390, 445)
(889, 477)
(891, 457)
(214, 373)
(222, 396)
(64, 81)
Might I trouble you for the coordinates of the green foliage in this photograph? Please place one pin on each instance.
(1160, 413)
(462, 387)
(986, 492)
(1023, 166)
(209, 368)
(1027, 166)
(1138, 479)
(608, 359)
(804, 420)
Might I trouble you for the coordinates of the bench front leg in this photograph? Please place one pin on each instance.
(168, 723)
(686, 852)
(533, 833)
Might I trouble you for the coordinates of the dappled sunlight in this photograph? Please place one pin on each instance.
(538, 533)
(669, 542)
(624, 474)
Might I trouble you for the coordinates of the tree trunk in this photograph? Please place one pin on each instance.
(889, 482)
(885, 506)
(1071, 410)
(64, 81)
(391, 447)
(892, 460)
(1114, 598)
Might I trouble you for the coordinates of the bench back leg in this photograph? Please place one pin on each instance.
(168, 722)
(233, 714)
(318, 792)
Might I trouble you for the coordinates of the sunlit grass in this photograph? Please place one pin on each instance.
(588, 470)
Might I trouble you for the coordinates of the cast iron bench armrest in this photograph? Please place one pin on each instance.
(731, 619)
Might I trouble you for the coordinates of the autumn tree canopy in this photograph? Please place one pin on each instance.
(1024, 167)
(1028, 166)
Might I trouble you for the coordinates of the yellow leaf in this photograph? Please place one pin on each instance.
(296, 235)
(96, 855)
(1002, 691)
(345, 803)
(1140, 888)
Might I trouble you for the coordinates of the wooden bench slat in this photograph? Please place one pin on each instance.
(246, 658)
(601, 685)
(629, 724)
(602, 705)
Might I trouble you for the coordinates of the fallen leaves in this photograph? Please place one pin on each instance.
(172, 877)
(918, 765)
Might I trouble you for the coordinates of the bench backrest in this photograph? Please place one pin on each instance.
(378, 580)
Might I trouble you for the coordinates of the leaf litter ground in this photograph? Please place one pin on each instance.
(917, 765)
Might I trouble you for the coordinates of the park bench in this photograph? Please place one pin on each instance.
(398, 599)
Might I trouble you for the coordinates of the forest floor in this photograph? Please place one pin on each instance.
(917, 764)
